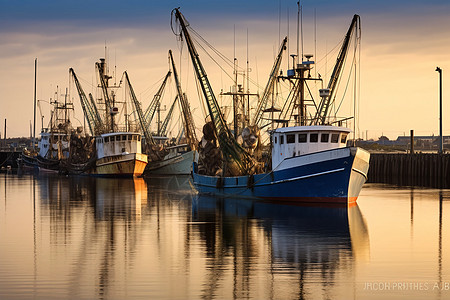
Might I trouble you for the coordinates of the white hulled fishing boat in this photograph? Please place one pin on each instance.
(118, 153)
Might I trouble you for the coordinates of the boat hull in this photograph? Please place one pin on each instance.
(27, 161)
(332, 176)
(46, 165)
(39, 163)
(177, 165)
(125, 165)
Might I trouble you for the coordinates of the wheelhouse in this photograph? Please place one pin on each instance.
(118, 143)
(300, 140)
(49, 144)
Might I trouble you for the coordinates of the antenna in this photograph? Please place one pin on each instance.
(248, 85)
(301, 26)
(315, 40)
(115, 67)
(298, 20)
(288, 35)
(248, 68)
(279, 22)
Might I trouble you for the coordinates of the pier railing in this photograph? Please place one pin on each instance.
(424, 169)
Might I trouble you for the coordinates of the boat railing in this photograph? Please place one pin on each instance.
(129, 128)
(177, 146)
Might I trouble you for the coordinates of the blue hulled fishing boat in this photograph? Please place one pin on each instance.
(308, 159)
(334, 174)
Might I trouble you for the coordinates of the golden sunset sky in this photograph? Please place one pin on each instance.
(402, 44)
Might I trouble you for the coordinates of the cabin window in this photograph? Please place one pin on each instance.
(275, 140)
(302, 137)
(124, 137)
(313, 137)
(130, 137)
(343, 138)
(107, 139)
(134, 137)
(335, 137)
(139, 137)
(290, 138)
(324, 137)
(281, 139)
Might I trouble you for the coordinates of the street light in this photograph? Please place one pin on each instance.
(441, 146)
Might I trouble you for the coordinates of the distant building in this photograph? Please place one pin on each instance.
(423, 141)
(430, 142)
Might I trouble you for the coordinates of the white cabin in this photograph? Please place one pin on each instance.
(118, 143)
(300, 140)
(50, 142)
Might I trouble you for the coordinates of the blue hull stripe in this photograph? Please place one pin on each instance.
(276, 182)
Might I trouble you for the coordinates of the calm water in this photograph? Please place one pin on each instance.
(84, 238)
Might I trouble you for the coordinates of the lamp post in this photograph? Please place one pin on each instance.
(441, 146)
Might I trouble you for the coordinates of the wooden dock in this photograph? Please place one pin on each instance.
(9, 158)
(424, 169)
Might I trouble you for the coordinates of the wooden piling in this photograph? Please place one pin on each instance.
(414, 169)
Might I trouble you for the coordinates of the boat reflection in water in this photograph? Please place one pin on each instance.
(319, 244)
(110, 197)
(105, 238)
(118, 197)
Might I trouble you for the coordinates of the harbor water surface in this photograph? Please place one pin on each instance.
(154, 238)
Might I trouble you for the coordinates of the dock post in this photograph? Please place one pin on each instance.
(411, 151)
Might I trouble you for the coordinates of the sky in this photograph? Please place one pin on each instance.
(402, 43)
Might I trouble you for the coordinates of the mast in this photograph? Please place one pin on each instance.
(232, 152)
(188, 121)
(34, 115)
(329, 93)
(94, 121)
(151, 109)
(148, 137)
(247, 118)
(65, 106)
(166, 121)
(109, 105)
(269, 90)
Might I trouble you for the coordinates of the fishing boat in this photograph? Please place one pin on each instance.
(177, 162)
(177, 157)
(54, 141)
(118, 150)
(309, 164)
(309, 160)
(119, 155)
